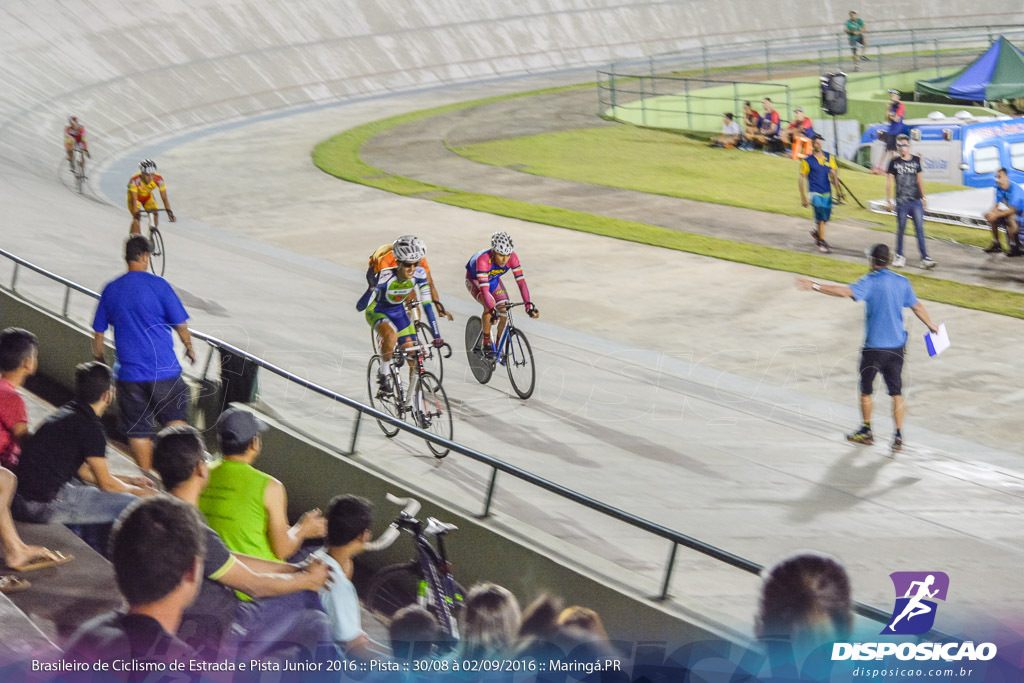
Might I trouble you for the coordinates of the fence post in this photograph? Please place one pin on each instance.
(668, 573)
(881, 71)
(651, 60)
(704, 59)
(611, 82)
(768, 59)
(938, 70)
(490, 493)
(689, 113)
(839, 53)
(913, 48)
(643, 104)
(736, 98)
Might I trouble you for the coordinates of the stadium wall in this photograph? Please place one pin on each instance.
(189, 63)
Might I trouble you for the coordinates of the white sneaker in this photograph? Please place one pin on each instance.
(927, 263)
(899, 261)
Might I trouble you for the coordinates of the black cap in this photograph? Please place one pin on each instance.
(819, 136)
(879, 254)
(239, 425)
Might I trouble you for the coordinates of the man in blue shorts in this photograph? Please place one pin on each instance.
(1007, 212)
(885, 294)
(143, 308)
(818, 172)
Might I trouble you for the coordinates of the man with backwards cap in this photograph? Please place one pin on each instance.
(817, 174)
(885, 295)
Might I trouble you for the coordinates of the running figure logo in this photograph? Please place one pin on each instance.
(916, 592)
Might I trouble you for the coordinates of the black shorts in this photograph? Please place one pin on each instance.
(887, 361)
(890, 142)
(140, 403)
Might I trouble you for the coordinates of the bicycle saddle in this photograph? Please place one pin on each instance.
(435, 527)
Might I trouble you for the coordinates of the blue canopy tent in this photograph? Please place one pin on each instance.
(996, 75)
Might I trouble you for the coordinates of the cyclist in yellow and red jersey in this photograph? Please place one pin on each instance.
(383, 258)
(74, 136)
(483, 280)
(140, 194)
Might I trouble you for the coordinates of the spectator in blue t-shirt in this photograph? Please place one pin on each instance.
(885, 294)
(1008, 212)
(143, 308)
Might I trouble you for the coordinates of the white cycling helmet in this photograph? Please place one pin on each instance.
(501, 243)
(409, 248)
(72, 120)
(147, 166)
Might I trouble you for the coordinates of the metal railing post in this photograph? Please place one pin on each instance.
(736, 98)
(881, 71)
(913, 48)
(490, 493)
(14, 278)
(643, 104)
(355, 432)
(689, 112)
(611, 82)
(839, 53)
(651, 59)
(938, 70)
(67, 302)
(668, 573)
(704, 59)
(768, 59)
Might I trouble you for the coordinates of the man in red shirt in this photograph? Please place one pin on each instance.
(17, 363)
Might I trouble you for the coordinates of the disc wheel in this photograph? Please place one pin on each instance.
(432, 412)
(519, 363)
(157, 254)
(432, 361)
(386, 403)
(481, 367)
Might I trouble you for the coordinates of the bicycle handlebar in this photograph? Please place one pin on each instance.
(410, 507)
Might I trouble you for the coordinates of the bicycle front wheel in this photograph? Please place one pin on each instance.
(432, 360)
(481, 367)
(385, 402)
(519, 363)
(157, 253)
(432, 411)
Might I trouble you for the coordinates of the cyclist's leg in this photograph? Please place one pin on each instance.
(478, 296)
(133, 208)
(500, 297)
(152, 206)
(67, 150)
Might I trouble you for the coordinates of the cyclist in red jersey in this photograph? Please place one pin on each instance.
(483, 280)
(74, 136)
(140, 194)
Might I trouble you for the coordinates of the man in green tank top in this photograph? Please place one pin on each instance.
(248, 508)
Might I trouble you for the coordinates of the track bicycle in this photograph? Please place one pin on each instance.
(433, 360)
(78, 167)
(425, 580)
(422, 402)
(512, 350)
(157, 252)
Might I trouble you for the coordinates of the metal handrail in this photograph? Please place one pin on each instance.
(675, 537)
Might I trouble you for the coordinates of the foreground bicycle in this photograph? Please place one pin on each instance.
(433, 361)
(157, 253)
(426, 580)
(423, 402)
(512, 350)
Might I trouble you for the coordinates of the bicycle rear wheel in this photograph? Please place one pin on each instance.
(432, 361)
(481, 367)
(519, 363)
(387, 403)
(432, 412)
(400, 585)
(157, 254)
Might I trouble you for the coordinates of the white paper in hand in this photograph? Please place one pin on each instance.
(937, 343)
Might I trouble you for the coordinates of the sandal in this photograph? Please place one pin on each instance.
(12, 584)
(61, 558)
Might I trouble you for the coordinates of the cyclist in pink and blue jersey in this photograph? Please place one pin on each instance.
(483, 280)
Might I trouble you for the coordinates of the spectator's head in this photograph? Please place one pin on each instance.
(491, 622)
(584, 619)
(853, 15)
(747, 107)
(879, 256)
(239, 432)
(413, 633)
(136, 251)
(180, 459)
(348, 521)
(1003, 178)
(894, 95)
(94, 384)
(728, 116)
(157, 548)
(903, 143)
(767, 103)
(18, 352)
(806, 599)
(540, 618)
(798, 113)
(818, 142)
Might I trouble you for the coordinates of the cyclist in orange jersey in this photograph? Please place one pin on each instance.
(140, 194)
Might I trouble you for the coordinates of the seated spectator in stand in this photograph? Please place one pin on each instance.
(800, 126)
(413, 633)
(247, 508)
(63, 476)
(768, 131)
(584, 619)
(731, 134)
(540, 618)
(286, 609)
(751, 121)
(805, 602)
(348, 530)
(1008, 212)
(18, 362)
(491, 623)
(157, 548)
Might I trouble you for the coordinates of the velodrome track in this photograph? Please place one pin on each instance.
(707, 396)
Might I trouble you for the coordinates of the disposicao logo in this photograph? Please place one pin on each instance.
(916, 593)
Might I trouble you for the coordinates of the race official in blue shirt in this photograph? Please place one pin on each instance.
(143, 308)
(885, 295)
(1008, 212)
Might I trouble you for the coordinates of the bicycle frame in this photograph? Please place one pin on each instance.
(436, 570)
